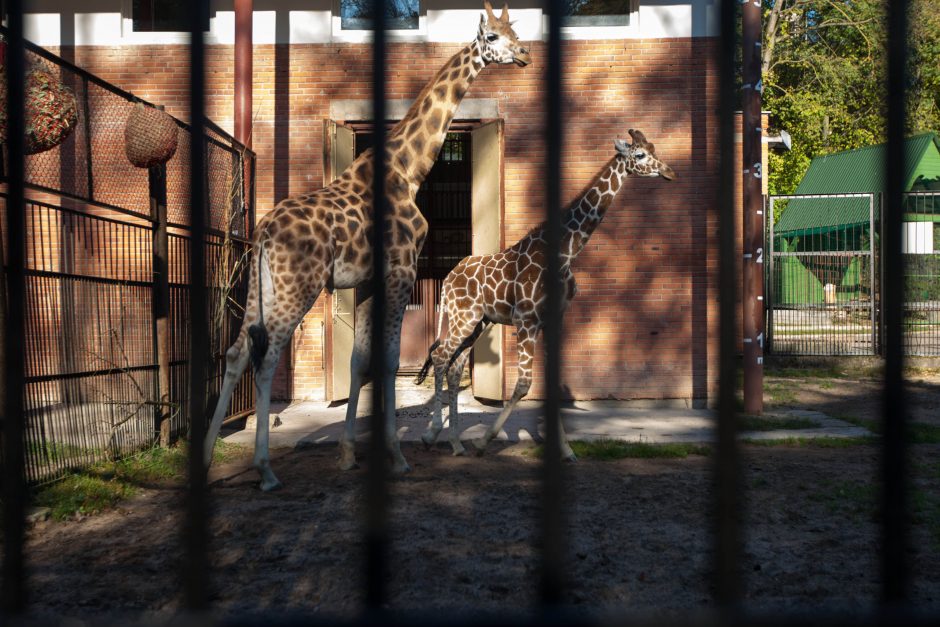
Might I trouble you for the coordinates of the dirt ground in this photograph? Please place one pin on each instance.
(465, 532)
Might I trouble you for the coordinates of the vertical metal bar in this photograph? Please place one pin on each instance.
(871, 272)
(752, 134)
(771, 283)
(13, 597)
(552, 526)
(895, 540)
(727, 464)
(376, 478)
(195, 578)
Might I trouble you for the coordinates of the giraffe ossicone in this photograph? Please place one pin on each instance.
(322, 240)
(508, 287)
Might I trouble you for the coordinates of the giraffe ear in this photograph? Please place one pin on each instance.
(621, 146)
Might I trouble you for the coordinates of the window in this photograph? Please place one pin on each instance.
(399, 14)
(597, 12)
(162, 16)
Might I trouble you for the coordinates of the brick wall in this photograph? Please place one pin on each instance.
(645, 322)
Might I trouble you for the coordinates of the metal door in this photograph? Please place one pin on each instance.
(487, 162)
(343, 302)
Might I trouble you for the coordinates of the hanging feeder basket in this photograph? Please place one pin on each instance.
(51, 111)
(150, 137)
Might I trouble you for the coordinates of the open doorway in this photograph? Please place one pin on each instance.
(461, 200)
(445, 201)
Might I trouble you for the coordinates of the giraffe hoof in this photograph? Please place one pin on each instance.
(271, 486)
(459, 450)
(429, 439)
(480, 445)
(348, 464)
(401, 468)
(570, 458)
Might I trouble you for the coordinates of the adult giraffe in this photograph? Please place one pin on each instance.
(322, 239)
(508, 288)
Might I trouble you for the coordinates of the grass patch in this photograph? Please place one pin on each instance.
(774, 423)
(781, 393)
(607, 449)
(83, 494)
(820, 442)
(105, 484)
(917, 432)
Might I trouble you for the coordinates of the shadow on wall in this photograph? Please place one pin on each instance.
(641, 320)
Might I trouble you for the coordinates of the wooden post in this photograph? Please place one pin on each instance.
(161, 297)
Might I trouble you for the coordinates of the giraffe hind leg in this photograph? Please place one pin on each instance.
(264, 377)
(236, 360)
(454, 374)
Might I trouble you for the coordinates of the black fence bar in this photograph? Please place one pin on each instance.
(553, 553)
(12, 386)
(728, 484)
(195, 578)
(377, 504)
(895, 502)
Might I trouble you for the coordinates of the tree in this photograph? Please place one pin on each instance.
(824, 74)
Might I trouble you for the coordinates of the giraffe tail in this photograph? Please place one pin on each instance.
(258, 333)
(423, 373)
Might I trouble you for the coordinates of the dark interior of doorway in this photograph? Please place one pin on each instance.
(445, 201)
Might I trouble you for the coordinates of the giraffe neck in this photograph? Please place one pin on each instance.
(416, 140)
(587, 213)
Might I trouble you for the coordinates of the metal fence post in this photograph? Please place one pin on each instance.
(196, 561)
(377, 505)
(895, 499)
(14, 589)
(552, 515)
(728, 482)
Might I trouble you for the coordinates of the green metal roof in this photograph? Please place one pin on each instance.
(855, 171)
(862, 169)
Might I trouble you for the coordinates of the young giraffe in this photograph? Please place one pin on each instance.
(319, 240)
(507, 288)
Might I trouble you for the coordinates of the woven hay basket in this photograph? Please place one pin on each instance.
(51, 111)
(150, 137)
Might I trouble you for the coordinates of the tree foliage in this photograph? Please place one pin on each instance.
(824, 73)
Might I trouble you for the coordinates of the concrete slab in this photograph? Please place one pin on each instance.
(315, 422)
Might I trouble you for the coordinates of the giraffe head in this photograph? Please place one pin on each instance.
(640, 157)
(498, 41)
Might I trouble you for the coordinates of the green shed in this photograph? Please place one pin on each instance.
(840, 225)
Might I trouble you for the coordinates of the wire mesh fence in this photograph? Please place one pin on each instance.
(820, 280)
(824, 278)
(92, 369)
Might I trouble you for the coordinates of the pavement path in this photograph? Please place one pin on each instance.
(314, 422)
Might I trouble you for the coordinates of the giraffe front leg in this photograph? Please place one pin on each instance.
(526, 347)
(347, 443)
(399, 286)
(357, 364)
